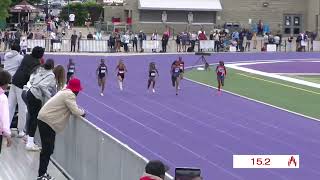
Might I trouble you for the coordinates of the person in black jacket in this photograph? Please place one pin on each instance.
(19, 79)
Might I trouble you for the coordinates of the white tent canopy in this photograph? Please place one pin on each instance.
(182, 5)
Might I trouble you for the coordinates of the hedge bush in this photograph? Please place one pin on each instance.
(81, 11)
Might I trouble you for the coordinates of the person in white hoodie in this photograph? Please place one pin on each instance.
(5, 79)
(12, 59)
(42, 86)
(23, 46)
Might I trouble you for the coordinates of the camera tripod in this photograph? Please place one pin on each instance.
(202, 60)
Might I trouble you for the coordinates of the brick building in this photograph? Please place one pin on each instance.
(288, 16)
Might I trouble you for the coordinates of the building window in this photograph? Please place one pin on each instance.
(292, 24)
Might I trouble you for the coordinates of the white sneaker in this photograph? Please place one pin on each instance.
(179, 87)
(33, 147)
(101, 94)
(21, 134)
(153, 90)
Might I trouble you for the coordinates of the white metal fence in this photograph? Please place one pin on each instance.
(85, 152)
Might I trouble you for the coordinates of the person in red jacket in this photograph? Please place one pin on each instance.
(221, 74)
(154, 170)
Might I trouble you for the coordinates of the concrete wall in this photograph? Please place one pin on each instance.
(313, 11)
(236, 11)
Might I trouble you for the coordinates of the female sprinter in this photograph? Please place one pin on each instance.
(221, 74)
(71, 69)
(175, 75)
(181, 65)
(121, 67)
(153, 72)
(102, 72)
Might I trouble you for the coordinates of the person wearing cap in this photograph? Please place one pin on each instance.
(19, 79)
(53, 118)
(155, 170)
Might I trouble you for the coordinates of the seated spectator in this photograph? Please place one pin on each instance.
(90, 36)
(154, 170)
(5, 79)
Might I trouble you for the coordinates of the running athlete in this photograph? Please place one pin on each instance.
(181, 65)
(175, 75)
(71, 69)
(102, 72)
(221, 74)
(121, 67)
(153, 72)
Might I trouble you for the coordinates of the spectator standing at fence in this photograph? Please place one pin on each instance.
(73, 41)
(193, 39)
(249, 40)
(98, 35)
(30, 35)
(289, 43)
(41, 87)
(20, 78)
(155, 170)
(112, 42)
(304, 41)
(142, 37)
(17, 36)
(184, 39)
(23, 46)
(13, 59)
(154, 38)
(53, 118)
(5, 132)
(235, 37)
(79, 39)
(277, 42)
(178, 42)
(72, 18)
(126, 41)
(216, 38)
(6, 40)
(135, 42)
(118, 42)
(164, 41)
(255, 41)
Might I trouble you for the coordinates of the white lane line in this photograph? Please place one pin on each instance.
(289, 79)
(163, 136)
(132, 139)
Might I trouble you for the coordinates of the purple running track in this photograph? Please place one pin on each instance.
(287, 67)
(197, 128)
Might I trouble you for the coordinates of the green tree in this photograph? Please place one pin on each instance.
(4, 6)
(81, 11)
(14, 2)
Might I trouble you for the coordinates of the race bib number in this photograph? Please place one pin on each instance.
(177, 70)
(153, 74)
(71, 70)
(121, 72)
(103, 71)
